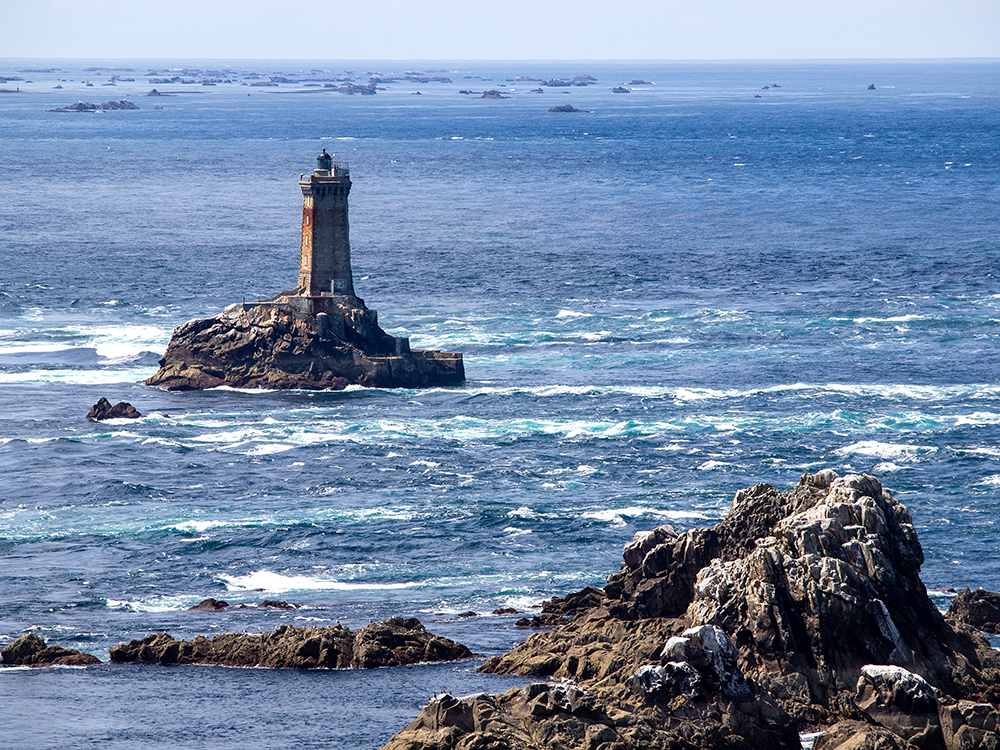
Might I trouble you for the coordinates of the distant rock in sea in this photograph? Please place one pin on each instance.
(209, 605)
(640, 82)
(620, 90)
(90, 107)
(393, 642)
(871, 86)
(493, 94)
(565, 108)
(30, 650)
(104, 410)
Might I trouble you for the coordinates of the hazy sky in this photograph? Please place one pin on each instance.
(512, 29)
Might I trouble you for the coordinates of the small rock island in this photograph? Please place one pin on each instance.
(319, 335)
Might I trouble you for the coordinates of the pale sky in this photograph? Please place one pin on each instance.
(507, 30)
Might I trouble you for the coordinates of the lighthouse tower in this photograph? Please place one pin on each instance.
(325, 259)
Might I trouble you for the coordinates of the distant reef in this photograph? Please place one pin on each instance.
(799, 611)
(90, 107)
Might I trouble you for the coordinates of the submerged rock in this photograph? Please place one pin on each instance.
(209, 605)
(104, 410)
(30, 650)
(394, 642)
(800, 607)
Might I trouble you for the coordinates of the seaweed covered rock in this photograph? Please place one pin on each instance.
(29, 650)
(393, 642)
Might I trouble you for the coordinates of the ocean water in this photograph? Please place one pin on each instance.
(677, 293)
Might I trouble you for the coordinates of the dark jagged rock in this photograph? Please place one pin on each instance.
(210, 605)
(402, 640)
(800, 607)
(278, 604)
(575, 603)
(620, 90)
(29, 650)
(541, 621)
(104, 410)
(493, 94)
(506, 611)
(275, 346)
(394, 642)
(565, 108)
(858, 735)
(979, 609)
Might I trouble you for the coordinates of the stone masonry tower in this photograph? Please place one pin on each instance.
(325, 261)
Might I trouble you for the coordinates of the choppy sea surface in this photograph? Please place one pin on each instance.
(705, 283)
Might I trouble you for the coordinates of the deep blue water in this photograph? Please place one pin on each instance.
(683, 291)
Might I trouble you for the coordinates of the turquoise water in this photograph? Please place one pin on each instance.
(683, 291)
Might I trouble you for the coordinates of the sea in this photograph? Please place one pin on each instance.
(730, 273)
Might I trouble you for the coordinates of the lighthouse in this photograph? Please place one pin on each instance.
(325, 256)
(319, 335)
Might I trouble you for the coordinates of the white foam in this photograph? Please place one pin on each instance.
(514, 531)
(634, 511)
(267, 449)
(712, 464)
(266, 580)
(978, 418)
(33, 348)
(572, 314)
(158, 604)
(76, 377)
(522, 512)
(892, 319)
(878, 449)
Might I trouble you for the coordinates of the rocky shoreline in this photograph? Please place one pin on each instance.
(800, 610)
(390, 643)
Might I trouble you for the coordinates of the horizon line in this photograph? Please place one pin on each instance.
(525, 60)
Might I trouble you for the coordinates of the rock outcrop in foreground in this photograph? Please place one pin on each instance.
(274, 345)
(29, 650)
(800, 609)
(104, 410)
(390, 643)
